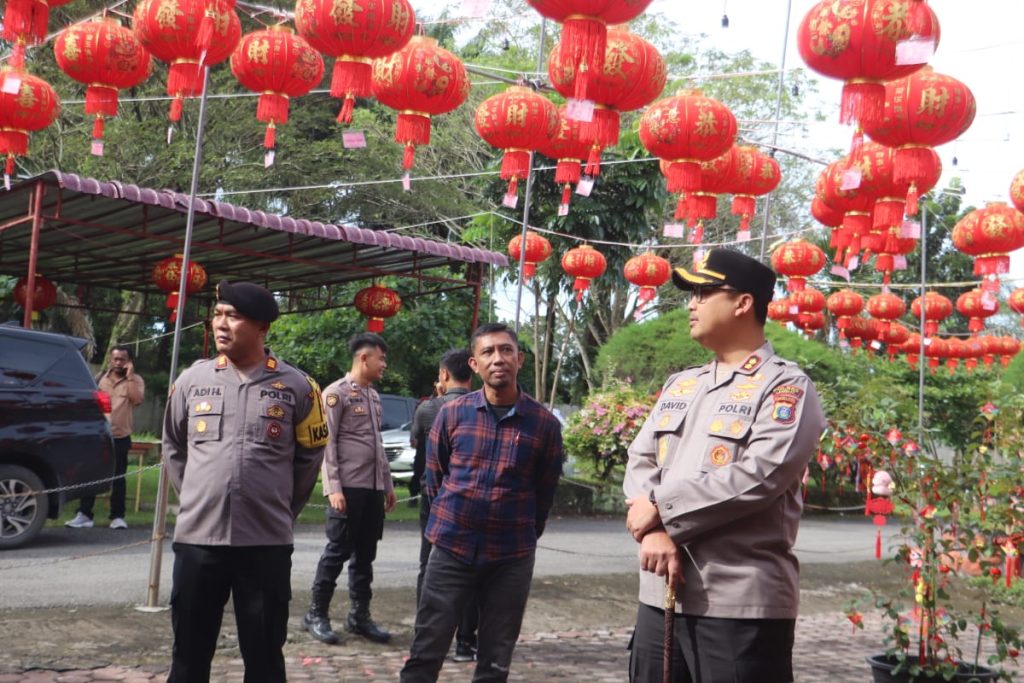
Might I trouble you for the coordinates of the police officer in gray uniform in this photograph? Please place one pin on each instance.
(713, 488)
(243, 439)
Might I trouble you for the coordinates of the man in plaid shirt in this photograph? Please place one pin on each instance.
(494, 457)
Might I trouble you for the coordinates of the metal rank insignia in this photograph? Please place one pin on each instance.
(739, 396)
(736, 428)
(271, 364)
(359, 410)
(683, 387)
(720, 456)
(279, 385)
(662, 451)
(664, 419)
(204, 407)
(751, 363)
(717, 425)
(275, 411)
(201, 426)
(332, 400)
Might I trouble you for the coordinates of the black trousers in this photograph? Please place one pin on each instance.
(353, 535)
(711, 650)
(466, 633)
(502, 589)
(117, 487)
(258, 578)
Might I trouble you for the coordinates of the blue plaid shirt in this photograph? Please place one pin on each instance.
(492, 481)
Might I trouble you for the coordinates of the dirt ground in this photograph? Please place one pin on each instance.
(84, 638)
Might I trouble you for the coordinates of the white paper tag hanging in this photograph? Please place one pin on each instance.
(170, 134)
(96, 149)
(989, 302)
(673, 230)
(406, 182)
(853, 263)
(353, 139)
(743, 236)
(875, 344)
(698, 256)
(268, 159)
(839, 271)
(850, 179)
(563, 209)
(911, 230)
(12, 85)
(899, 262)
(579, 110)
(794, 309)
(510, 200)
(585, 186)
(7, 182)
(915, 50)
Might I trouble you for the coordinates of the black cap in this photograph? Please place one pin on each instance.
(732, 268)
(249, 299)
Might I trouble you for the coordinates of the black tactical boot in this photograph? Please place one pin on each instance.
(318, 623)
(360, 623)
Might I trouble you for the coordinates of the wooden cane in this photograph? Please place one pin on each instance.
(667, 644)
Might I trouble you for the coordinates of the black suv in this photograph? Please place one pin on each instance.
(53, 430)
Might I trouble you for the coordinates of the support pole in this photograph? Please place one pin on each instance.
(156, 547)
(920, 357)
(33, 254)
(778, 116)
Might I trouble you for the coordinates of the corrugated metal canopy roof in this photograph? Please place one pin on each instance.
(110, 234)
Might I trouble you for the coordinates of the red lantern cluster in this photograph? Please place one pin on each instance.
(538, 249)
(279, 65)
(419, 81)
(27, 104)
(377, 302)
(25, 23)
(584, 263)
(355, 34)
(167, 276)
(648, 272)
(516, 121)
(107, 58)
(797, 260)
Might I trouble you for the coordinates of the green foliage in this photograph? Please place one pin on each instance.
(601, 432)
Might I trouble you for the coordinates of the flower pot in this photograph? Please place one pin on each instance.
(882, 666)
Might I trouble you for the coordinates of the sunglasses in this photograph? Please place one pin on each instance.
(702, 292)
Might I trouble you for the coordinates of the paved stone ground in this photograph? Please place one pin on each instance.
(827, 650)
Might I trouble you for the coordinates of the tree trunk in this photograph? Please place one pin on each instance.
(126, 326)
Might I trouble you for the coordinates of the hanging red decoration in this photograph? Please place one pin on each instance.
(797, 260)
(377, 302)
(896, 198)
(922, 111)
(355, 34)
(648, 272)
(516, 121)
(583, 263)
(975, 349)
(25, 23)
(858, 329)
(841, 187)
(27, 104)
(701, 205)
(168, 29)
(783, 310)
(844, 304)
(755, 175)
(538, 249)
(585, 32)
(936, 309)
(1016, 302)
(279, 65)
(885, 308)
(107, 58)
(989, 235)
(1008, 348)
(568, 149)
(856, 41)
(879, 504)
(167, 276)
(936, 349)
(419, 81)
(810, 322)
(633, 76)
(956, 350)
(895, 337)
(44, 294)
(1017, 191)
(977, 305)
(808, 300)
(686, 129)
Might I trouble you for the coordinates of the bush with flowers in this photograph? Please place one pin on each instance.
(600, 433)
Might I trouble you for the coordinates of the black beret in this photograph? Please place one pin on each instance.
(732, 268)
(249, 299)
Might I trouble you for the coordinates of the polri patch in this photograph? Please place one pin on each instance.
(785, 400)
(332, 400)
(720, 456)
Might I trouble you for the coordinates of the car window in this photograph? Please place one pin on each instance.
(397, 410)
(29, 360)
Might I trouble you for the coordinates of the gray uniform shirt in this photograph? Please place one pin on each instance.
(725, 460)
(242, 455)
(354, 457)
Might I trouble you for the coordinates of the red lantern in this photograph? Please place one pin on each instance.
(989, 235)
(854, 200)
(167, 276)
(1017, 191)
(516, 121)
(377, 302)
(279, 65)
(687, 129)
(885, 308)
(44, 294)
(895, 337)
(797, 260)
(25, 23)
(568, 149)
(810, 322)
(956, 349)
(538, 249)
(648, 272)
(1016, 302)
(977, 305)
(856, 41)
(701, 205)
(895, 197)
(584, 32)
(27, 104)
(354, 34)
(844, 304)
(583, 263)
(1009, 347)
(634, 75)
(107, 57)
(935, 350)
(936, 309)
(169, 29)
(975, 349)
(825, 214)
(858, 329)
(419, 81)
(783, 310)
(755, 175)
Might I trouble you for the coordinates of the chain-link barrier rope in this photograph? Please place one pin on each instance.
(72, 487)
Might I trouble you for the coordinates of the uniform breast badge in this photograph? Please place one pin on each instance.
(204, 407)
(662, 451)
(717, 425)
(201, 426)
(720, 456)
(274, 430)
(279, 385)
(275, 411)
(332, 400)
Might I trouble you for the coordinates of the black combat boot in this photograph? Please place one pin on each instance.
(360, 623)
(318, 623)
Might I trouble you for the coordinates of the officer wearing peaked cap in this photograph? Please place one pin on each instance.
(243, 439)
(713, 489)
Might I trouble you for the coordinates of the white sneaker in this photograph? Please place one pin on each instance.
(118, 523)
(79, 521)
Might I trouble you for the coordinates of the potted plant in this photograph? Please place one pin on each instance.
(962, 515)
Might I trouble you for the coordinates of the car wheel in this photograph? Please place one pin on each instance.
(22, 513)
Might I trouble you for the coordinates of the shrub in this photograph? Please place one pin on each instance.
(600, 433)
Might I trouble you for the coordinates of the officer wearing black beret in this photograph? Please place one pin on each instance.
(249, 299)
(713, 489)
